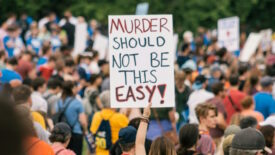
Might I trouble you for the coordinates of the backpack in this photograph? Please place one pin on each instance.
(60, 115)
(103, 136)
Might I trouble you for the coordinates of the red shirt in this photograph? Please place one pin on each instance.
(24, 67)
(236, 97)
(46, 71)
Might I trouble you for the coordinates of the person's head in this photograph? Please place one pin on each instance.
(68, 89)
(22, 95)
(179, 78)
(247, 122)
(54, 84)
(186, 48)
(267, 83)
(188, 137)
(27, 56)
(105, 99)
(96, 80)
(234, 80)
(69, 66)
(85, 58)
(127, 138)
(249, 141)
(46, 50)
(95, 56)
(52, 61)
(104, 67)
(231, 130)
(162, 145)
(39, 85)
(218, 89)
(61, 133)
(268, 132)
(216, 72)
(248, 103)
(68, 14)
(2, 55)
(207, 114)
(12, 63)
(12, 31)
(254, 80)
(200, 82)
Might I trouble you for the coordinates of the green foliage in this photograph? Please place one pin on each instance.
(187, 14)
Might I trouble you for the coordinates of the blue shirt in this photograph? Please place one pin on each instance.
(18, 43)
(41, 61)
(72, 113)
(6, 76)
(264, 103)
(35, 43)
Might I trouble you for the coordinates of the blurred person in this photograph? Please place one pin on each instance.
(55, 39)
(46, 70)
(268, 132)
(94, 68)
(248, 109)
(33, 42)
(207, 115)
(84, 60)
(68, 25)
(106, 124)
(9, 75)
(54, 86)
(71, 19)
(184, 54)
(46, 54)
(60, 138)
(247, 122)
(127, 139)
(13, 44)
(188, 137)
(69, 69)
(182, 93)
(249, 141)
(2, 59)
(105, 73)
(44, 34)
(227, 142)
(25, 66)
(74, 114)
(253, 82)
(232, 101)
(264, 102)
(199, 87)
(38, 102)
(215, 76)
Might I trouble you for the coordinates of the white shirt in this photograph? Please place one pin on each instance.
(72, 20)
(197, 97)
(38, 102)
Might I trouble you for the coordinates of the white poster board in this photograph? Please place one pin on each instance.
(229, 33)
(142, 8)
(141, 61)
(266, 39)
(250, 46)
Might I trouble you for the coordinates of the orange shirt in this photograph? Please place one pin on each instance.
(35, 146)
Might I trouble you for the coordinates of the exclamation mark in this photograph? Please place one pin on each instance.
(162, 88)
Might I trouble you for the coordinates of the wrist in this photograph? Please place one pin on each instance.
(144, 119)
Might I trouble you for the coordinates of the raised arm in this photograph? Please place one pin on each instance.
(142, 131)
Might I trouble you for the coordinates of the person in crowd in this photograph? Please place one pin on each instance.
(54, 86)
(2, 59)
(161, 145)
(268, 121)
(182, 93)
(46, 70)
(232, 101)
(248, 107)
(268, 131)
(33, 42)
(127, 139)
(75, 115)
(106, 124)
(244, 143)
(38, 102)
(83, 67)
(69, 27)
(188, 137)
(13, 44)
(264, 102)
(248, 121)
(105, 73)
(46, 53)
(9, 75)
(184, 55)
(69, 69)
(206, 114)
(60, 138)
(25, 67)
(199, 87)
(94, 67)
(229, 134)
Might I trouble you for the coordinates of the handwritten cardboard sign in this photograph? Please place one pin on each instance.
(141, 61)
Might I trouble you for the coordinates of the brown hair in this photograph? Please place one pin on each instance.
(162, 146)
(247, 102)
(203, 109)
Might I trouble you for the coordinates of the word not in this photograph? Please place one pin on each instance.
(124, 43)
(143, 25)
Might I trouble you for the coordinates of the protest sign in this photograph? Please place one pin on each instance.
(229, 33)
(266, 39)
(142, 8)
(141, 61)
(250, 46)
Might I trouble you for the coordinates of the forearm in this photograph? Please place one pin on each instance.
(140, 138)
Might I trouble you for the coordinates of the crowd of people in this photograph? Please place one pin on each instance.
(57, 101)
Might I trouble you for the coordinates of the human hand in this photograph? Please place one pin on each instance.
(147, 111)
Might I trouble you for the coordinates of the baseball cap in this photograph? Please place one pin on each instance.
(266, 81)
(269, 121)
(200, 79)
(127, 135)
(231, 130)
(62, 129)
(249, 139)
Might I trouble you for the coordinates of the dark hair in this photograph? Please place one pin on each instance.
(54, 83)
(134, 122)
(243, 67)
(234, 79)
(52, 58)
(221, 52)
(21, 94)
(268, 132)
(248, 121)
(12, 28)
(254, 80)
(12, 61)
(2, 53)
(45, 49)
(184, 47)
(247, 102)
(217, 88)
(69, 62)
(67, 87)
(94, 77)
(127, 147)
(162, 145)
(188, 137)
(37, 83)
(57, 137)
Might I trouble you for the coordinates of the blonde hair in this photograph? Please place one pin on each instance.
(162, 145)
(203, 109)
